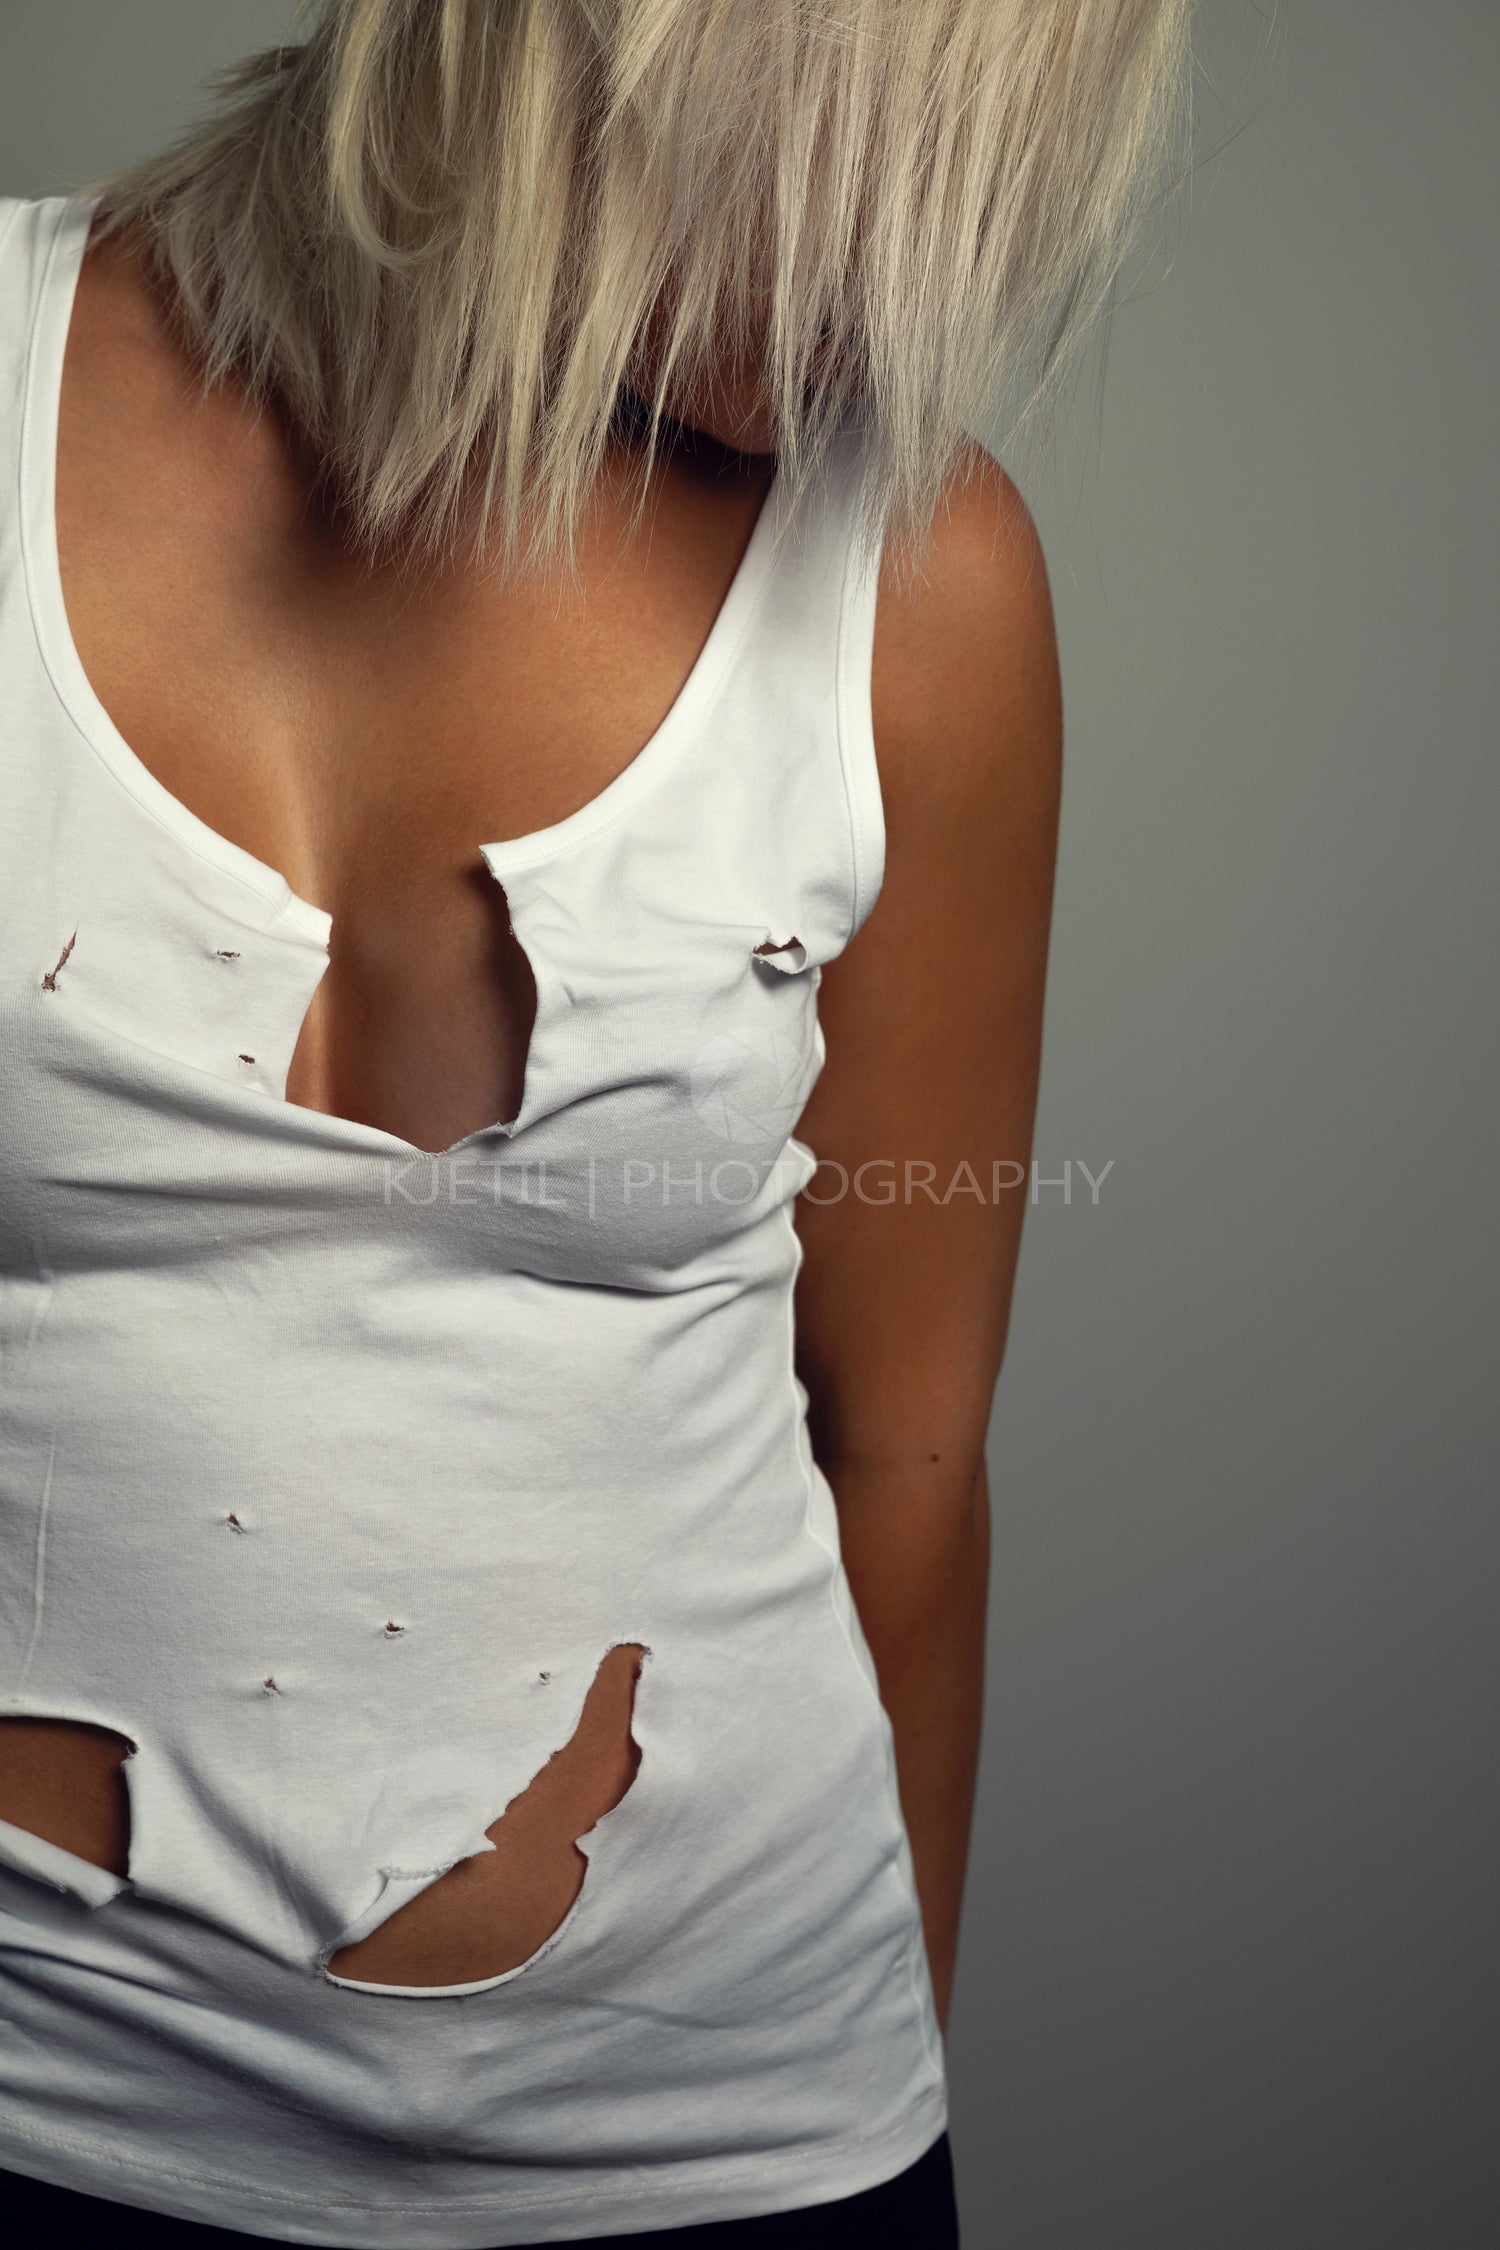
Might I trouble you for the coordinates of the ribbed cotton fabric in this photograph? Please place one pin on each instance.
(330, 1470)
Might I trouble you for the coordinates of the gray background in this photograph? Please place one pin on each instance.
(1230, 1968)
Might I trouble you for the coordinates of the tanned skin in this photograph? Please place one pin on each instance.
(340, 723)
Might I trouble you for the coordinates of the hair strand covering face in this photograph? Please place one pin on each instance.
(442, 234)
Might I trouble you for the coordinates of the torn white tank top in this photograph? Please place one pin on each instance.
(329, 1471)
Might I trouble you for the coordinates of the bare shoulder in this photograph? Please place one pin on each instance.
(934, 1012)
(965, 689)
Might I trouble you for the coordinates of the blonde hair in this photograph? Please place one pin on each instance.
(439, 233)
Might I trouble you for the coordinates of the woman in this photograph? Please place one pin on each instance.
(490, 1704)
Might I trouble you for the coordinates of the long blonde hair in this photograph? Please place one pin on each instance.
(437, 232)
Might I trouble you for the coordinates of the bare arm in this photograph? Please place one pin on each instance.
(933, 1019)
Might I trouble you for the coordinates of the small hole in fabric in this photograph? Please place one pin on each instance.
(49, 981)
(786, 954)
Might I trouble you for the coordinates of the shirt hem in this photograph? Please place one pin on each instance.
(756, 2185)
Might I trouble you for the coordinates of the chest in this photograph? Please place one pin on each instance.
(361, 730)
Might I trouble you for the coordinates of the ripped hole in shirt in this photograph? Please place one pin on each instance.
(491, 1913)
(428, 1058)
(64, 1781)
(789, 955)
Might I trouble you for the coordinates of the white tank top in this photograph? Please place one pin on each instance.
(330, 1470)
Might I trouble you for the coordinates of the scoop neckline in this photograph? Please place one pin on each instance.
(42, 567)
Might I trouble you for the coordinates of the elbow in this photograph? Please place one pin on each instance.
(928, 1481)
